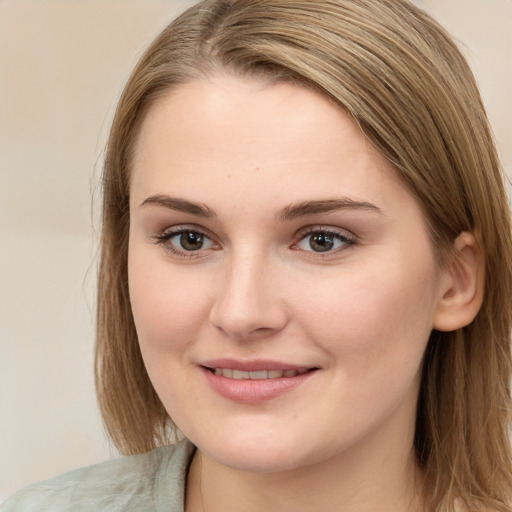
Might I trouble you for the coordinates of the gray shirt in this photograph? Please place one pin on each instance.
(151, 482)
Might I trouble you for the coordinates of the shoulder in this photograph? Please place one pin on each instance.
(152, 482)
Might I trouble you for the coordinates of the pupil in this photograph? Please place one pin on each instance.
(191, 241)
(321, 242)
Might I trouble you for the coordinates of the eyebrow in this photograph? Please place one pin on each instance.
(180, 205)
(288, 213)
(306, 208)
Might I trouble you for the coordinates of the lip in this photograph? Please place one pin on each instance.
(253, 391)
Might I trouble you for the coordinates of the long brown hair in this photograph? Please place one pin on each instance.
(405, 83)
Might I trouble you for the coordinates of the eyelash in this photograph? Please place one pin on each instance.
(348, 241)
(165, 236)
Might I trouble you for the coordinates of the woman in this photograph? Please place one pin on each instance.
(305, 264)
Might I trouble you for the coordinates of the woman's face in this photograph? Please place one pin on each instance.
(281, 277)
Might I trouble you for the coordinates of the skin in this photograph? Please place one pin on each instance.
(360, 313)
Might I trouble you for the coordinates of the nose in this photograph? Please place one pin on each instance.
(249, 303)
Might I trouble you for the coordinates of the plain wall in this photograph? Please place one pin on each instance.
(62, 66)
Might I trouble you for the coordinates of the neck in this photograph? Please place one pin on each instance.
(368, 477)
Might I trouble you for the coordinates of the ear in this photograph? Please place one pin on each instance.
(462, 285)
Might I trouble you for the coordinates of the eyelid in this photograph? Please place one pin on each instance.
(348, 238)
(322, 228)
(164, 236)
(169, 231)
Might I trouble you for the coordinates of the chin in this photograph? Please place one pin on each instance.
(261, 451)
(257, 459)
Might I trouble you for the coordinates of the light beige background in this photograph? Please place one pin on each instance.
(62, 65)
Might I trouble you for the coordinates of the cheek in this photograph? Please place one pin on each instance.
(375, 317)
(166, 305)
(169, 314)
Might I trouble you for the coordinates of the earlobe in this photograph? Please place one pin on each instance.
(462, 285)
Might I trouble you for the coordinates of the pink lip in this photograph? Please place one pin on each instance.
(252, 391)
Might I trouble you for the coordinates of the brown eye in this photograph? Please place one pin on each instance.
(185, 241)
(324, 241)
(191, 241)
(321, 242)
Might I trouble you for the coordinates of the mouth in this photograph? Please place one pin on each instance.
(252, 382)
(231, 373)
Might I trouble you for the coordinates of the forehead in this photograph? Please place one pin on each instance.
(256, 140)
(238, 109)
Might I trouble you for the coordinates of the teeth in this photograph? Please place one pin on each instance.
(257, 375)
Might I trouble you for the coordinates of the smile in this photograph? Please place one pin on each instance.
(253, 382)
(257, 375)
